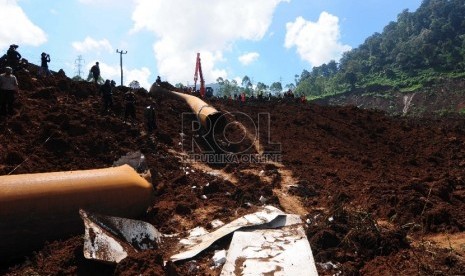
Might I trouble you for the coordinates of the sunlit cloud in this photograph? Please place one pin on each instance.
(316, 42)
(17, 28)
(211, 34)
(91, 45)
(249, 58)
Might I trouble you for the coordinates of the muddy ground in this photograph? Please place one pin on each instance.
(380, 195)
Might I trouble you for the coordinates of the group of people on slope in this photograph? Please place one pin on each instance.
(129, 98)
(9, 87)
(13, 59)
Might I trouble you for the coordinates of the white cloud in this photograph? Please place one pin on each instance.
(17, 28)
(98, 2)
(141, 75)
(316, 42)
(184, 28)
(249, 58)
(91, 45)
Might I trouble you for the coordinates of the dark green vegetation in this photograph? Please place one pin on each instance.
(418, 50)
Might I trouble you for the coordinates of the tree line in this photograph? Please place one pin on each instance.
(412, 51)
(416, 49)
(232, 87)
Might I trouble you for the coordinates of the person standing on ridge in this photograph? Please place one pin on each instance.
(44, 60)
(95, 70)
(8, 87)
(13, 57)
(130, 106)
(107, 95)
(150, 118)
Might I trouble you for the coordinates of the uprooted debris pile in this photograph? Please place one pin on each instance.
(377, 193)
(267, 241)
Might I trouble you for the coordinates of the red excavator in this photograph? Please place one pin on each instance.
(198, 71)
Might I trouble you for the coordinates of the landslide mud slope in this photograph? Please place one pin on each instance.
(379, 194)
(442, 98)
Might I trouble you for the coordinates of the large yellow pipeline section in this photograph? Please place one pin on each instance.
(208, 116)
(45, 206)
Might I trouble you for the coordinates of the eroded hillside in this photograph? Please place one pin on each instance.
(378, 194)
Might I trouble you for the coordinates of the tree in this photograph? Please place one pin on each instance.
(305, 75)
(333, 67)
(261, 87)
(234, 87)
(276, 87)
(351, 78)
(247, 85)
(227, 88)
(134, 84)
(290, 86)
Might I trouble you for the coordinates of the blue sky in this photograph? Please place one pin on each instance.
(267, 40)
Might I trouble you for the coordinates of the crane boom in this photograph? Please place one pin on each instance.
(198, 72)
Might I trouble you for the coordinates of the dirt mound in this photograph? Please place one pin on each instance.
(371, 188)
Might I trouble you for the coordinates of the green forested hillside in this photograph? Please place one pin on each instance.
(416, 50)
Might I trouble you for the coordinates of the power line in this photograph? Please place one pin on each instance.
(78, 63)
(121, 53)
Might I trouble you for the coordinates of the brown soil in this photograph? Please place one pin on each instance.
(377, 192)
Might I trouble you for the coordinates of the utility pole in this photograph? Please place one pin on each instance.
(78, 63)
(121, 53)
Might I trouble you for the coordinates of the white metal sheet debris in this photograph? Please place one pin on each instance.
(284, 251)
(266, 217)
(110, 239)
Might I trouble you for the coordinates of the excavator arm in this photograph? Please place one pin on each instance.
(198, 72)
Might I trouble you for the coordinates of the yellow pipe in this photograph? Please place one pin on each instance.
(208, 116)
(45, 206)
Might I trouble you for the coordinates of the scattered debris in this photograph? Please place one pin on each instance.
(135, 159)
(266, 217)
(284, 251)
(327, 265)
(219, 258)
(193, 233)
(216, 223)
(192, 267)
(110, 239)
